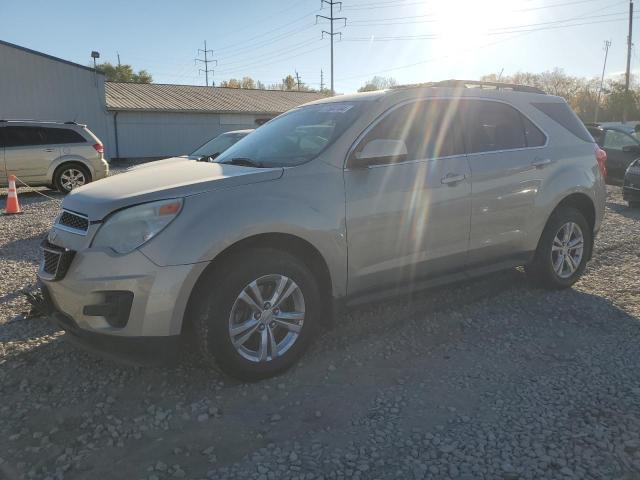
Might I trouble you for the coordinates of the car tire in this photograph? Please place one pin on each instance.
(230, 329)
(69, 176)
(559, 261)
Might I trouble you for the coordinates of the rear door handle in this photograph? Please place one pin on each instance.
(49, 149)
(541, 162)
(452, 178)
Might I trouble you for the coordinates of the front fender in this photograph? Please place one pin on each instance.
(310, 208)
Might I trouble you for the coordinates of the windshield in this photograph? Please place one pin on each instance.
(217, 145)
(295, 137)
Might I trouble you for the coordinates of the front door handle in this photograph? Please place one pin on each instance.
(49, 149)
(452, 178)
(541, 162)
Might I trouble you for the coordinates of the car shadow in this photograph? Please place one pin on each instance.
(24, 249)
(624, 210)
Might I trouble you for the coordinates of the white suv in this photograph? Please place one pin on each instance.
(61, 155)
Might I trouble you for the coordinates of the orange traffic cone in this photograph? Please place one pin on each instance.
(12, 198)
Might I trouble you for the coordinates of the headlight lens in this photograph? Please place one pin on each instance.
(128, 229)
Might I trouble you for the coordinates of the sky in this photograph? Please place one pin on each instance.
(409, 40)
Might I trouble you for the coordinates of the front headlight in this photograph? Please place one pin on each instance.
(128, 229)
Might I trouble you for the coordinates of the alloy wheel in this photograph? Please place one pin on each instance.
(567, 250)
(266, 318)
(72, 178)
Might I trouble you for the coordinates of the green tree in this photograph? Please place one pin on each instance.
(378, 83)
(124, 73)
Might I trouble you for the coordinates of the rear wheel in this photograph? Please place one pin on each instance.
(69, 176)
(563, 250)
(256, 314)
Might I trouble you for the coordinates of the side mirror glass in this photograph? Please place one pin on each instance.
(380, 151)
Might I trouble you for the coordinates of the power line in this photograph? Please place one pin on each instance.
(206, 62)
(331, 34)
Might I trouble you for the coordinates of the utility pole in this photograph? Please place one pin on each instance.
(206, 62)
(298, 79)
(321, 81)
(331, 34)
(627, 78)
(607, 44)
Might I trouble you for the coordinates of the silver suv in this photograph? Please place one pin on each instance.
(336, 202)
(61, 155)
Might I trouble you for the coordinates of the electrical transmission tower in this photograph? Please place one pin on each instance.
(206, 62)
(298, 79)
(331, 33)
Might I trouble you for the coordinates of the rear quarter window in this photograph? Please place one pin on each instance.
(62, 135)
(562, 114)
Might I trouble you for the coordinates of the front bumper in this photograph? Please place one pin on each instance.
(160, 294)
(631, 194)
(136, 350)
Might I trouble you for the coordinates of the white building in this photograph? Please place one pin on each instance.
(132, 120)
(155, 120)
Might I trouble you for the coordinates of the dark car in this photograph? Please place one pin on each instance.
(622, 149)
(631, 185)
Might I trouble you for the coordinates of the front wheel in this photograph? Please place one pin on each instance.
(563, 250)
(256, 313)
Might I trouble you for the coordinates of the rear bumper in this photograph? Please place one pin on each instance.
(133, 350)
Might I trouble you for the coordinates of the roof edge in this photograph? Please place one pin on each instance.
(171, 110)
(219, 88)
(50, 57)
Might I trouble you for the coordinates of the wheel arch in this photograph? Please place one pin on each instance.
(289, 243)
(69, 159)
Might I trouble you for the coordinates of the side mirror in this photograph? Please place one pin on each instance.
(631, 148)
(380, 151)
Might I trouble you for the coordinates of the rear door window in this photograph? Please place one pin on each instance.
(616, 140)
(493, 126)
(62, 135)
(23, 136)
(533, 135)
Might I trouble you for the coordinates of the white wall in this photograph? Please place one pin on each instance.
(160, 134)
(40, 88)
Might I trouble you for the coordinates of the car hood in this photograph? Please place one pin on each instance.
(165, 180)
(164, 161)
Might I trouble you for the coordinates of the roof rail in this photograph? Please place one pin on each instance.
(6, 120)
(494, 85)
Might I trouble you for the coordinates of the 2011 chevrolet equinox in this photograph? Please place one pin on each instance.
(335, 202)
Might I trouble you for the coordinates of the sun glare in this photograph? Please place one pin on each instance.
(461, 25)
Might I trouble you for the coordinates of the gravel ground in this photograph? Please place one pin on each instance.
(489, 379)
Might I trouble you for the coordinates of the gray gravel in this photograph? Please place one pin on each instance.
(488, 379)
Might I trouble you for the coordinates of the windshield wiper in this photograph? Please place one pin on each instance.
(244, 161)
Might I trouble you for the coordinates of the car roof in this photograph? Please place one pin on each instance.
(448, 88)
(51, 123)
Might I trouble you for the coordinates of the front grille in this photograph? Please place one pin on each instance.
(74, 221)
(55, 261)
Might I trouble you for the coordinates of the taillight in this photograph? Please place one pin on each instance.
(601, 157)
(99, 147)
